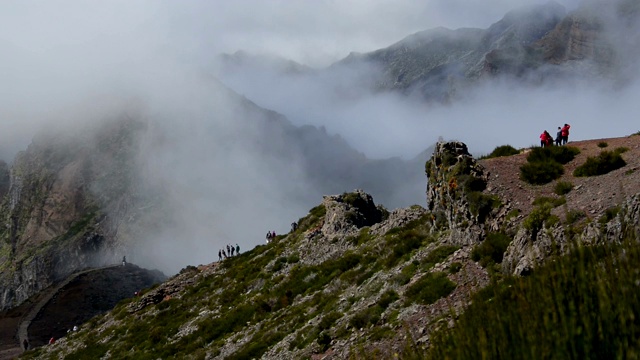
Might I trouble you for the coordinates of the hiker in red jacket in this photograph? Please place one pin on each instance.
(565, 133)
(546, 139)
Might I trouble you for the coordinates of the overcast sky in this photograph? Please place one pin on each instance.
(56, 52)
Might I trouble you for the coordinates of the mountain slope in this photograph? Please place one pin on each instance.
(89, 195)
(354, 280)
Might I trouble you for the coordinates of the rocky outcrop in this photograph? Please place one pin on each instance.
(349, 212)
(528, 250)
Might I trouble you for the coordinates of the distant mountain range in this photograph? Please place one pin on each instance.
(533, 45)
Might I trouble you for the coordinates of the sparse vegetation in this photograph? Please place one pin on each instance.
(545, 164)
(553, 201)
(602, 144)
(491, 250)
(563, 187)
(604, 163)
(581, 306)
(574, 216)
(503, 150)
(429, 288)
(538, 217)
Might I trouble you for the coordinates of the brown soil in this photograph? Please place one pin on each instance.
(593, 194)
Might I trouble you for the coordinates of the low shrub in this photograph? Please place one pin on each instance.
(621, 150)
(559, 154)
(540, 173)
(574, 216)
(481, 204)
(604, 163)
(455, 267)
(492, 249)
(563, 187)
(602, 144)
(609, 214)
(429, 288)
(545, 164)
(503, 150)
(553, 201)
(439, 254)
(537, 218)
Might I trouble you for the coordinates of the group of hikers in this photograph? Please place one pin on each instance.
(562, 137)
(230, 251)
(271, 235)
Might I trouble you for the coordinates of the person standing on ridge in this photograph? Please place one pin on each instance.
(237, 249)
(559, 137)
(220, 255)
(545, 139)
(565, 134)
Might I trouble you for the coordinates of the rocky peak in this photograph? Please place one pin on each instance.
(455, 185)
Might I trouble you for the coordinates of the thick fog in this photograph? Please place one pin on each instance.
(66, 63)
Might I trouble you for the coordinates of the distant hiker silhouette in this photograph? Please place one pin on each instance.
(124, 261)
(25, 344)
(268, 236)
(237, 249)
(294, 226)
(232, 250)
(565, 133)
(559, 136)
(224, 254)
(219, 255)
(52, 341)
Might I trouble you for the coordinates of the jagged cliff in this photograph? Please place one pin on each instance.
(356, 280)
(65, 199)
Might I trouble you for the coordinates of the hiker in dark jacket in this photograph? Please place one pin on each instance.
(219, 255)
(237, 249)
(559, 136)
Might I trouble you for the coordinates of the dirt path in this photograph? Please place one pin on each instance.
(20, 319)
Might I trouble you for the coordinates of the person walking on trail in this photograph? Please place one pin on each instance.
(124, 261)
(565, 133)
(25, 344)
(237, 249)
(559, 137)
(232, 250)
(220, 255)
(224, 254)
(294, 226)
(52, 341)
(268, 236)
